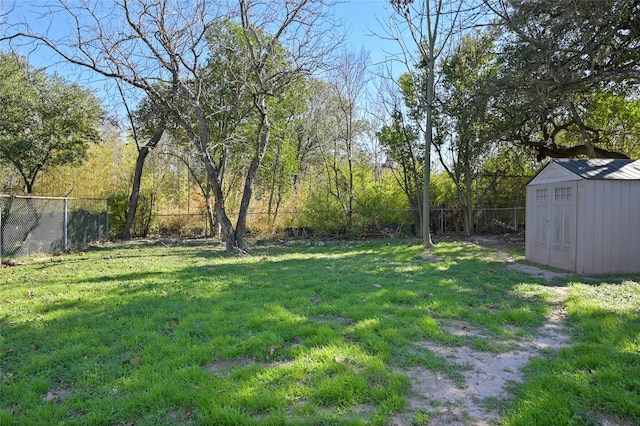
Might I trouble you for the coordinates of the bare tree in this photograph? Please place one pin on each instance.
(424, 29)
(402, 146)
(286, 40)
(160, 47)
(349, 78)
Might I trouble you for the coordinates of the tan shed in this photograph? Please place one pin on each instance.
(584, 216)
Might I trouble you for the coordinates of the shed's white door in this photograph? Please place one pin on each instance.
(562, 238)
(554, 225)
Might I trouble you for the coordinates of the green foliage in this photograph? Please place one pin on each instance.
(558, 59)
(377, 203)
(46, 121)
(443, 190)
(323, 213)
(107, 170)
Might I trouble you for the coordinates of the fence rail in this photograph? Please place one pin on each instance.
(30, 225)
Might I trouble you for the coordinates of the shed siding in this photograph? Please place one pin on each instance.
(634, 222)
(610, 227)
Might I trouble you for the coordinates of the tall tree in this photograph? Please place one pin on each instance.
(348, 78)
(286, 41)
(424, 30)
(45, 121)
(148, 125)
(402, 145)
(558, 55)
(466, 117)
(161, 47)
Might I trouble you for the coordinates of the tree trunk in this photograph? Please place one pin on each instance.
(137, 175)
(272, 189)
(263, 141)
(583, 131)
(426, 228)
(468, 212)
(135, 193)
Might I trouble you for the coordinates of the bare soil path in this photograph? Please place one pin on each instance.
(478, 402)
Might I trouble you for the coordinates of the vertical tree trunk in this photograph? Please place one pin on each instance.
(263, 141)
(426, 229)
(135, 193)
(468, 216)
(272, 189)
(137, 175)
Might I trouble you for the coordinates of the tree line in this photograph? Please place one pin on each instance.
(251, 106)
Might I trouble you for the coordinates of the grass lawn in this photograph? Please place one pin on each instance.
(303, 335)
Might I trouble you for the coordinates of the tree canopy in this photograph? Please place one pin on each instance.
(558, 58)
(45, 121)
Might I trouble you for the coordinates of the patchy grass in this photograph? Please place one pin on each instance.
(598, 377)
(289, 335)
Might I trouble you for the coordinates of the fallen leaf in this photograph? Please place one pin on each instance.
(272, 350)
(174, 320)
(135, 361)
(341, 360)
(164, 294)
(29, 293)
(51, 397)
(56, 396)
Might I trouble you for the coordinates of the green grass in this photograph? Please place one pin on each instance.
(290, 335)
(599, 375)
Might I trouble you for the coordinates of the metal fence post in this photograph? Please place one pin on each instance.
(66, 220)
(107, 219)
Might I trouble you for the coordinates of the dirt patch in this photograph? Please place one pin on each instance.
(486, 383)
(459, 328)
(548, 276)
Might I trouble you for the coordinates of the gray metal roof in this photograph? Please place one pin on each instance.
(602, 168)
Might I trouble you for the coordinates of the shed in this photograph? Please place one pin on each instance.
(584, 216)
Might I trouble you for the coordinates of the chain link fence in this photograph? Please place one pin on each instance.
(30, 225)
(301, 224)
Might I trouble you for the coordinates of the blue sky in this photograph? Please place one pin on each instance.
(361, 19)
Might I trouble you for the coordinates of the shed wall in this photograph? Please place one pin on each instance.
(608, 224)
